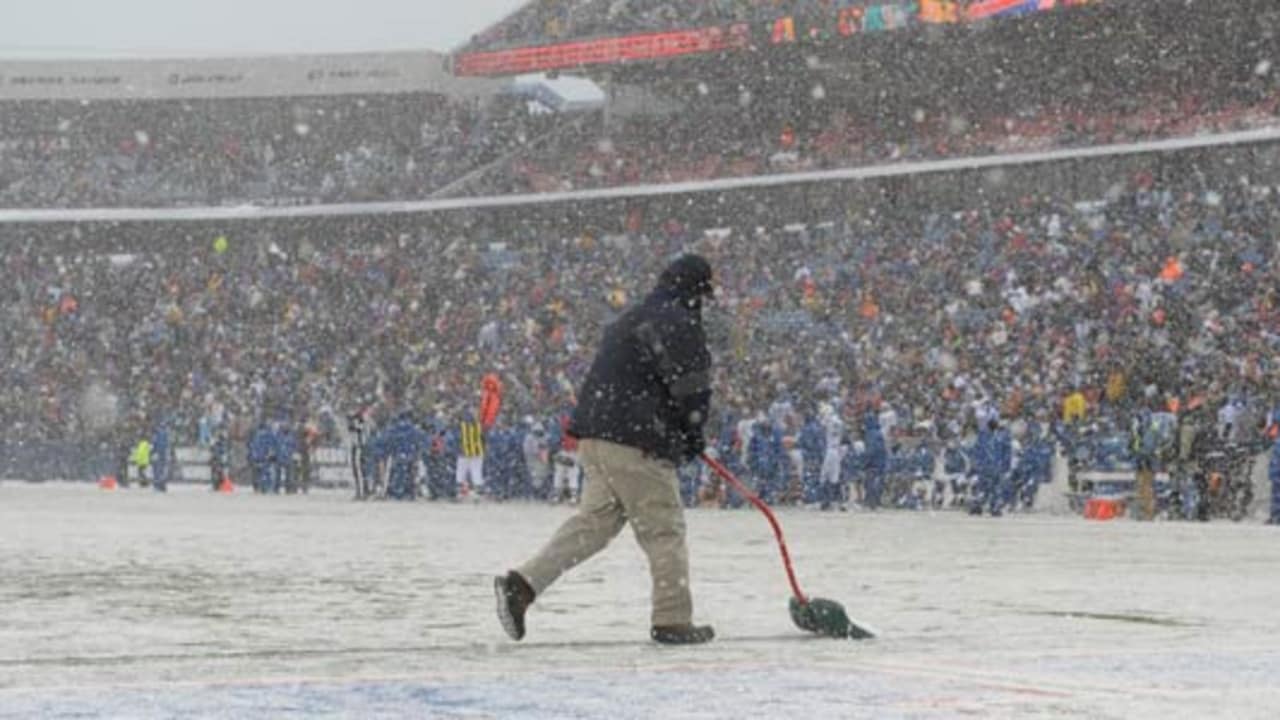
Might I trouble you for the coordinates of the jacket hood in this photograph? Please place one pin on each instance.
(688, 278)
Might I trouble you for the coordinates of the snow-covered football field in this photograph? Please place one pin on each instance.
(135, 605)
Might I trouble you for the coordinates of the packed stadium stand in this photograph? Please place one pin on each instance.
(919, 91)
(396, 127)
(1143, 273)
(260, 130)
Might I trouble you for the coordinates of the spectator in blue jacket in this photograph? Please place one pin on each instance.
(876, 458)
(282, 459)
(992, 458)
(1035, 464)
(504, 466)
(764, 459)
(813, 448)
(262, 447)
(401, 446)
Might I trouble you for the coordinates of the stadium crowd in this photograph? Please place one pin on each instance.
(170, 157)
(1163, 292)
(679, 148)
(1057, 316)
(148, 153)
(361, 149)
(1060, 80)
(1057, 81)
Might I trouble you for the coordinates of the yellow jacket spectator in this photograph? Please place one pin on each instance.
(1074, 407)
(141, 455)
(140, 458)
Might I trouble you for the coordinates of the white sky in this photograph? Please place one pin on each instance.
(65, 29)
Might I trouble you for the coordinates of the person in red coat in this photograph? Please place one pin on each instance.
(490, 400)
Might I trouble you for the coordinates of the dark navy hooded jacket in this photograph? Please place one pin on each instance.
(650, 385)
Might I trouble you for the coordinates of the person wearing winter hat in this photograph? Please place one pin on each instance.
(640, 415)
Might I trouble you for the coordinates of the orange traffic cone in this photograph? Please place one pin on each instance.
(1103, 509)
(107, 482)
(226, 487)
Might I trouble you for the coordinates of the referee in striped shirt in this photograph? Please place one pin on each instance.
(470, 476)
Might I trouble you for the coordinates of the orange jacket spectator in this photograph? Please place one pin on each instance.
(1172, 271)
(869, 310)
(490, 400)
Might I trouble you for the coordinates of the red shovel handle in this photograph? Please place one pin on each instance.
(723, 472)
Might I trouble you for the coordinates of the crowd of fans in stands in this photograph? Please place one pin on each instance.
(679, 148)
(1020, 89)
(272, 150)
(1162, 291)
(1023, 88)
(372, 149)
(1056, 309)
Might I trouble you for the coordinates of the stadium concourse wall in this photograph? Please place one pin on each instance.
(234, 77)
(737, 204)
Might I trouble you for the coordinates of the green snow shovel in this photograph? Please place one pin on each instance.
(815, 615)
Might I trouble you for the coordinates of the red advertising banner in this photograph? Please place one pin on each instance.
(843, 23)
(654, 46)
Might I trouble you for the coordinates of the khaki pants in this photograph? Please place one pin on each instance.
(622, 485)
